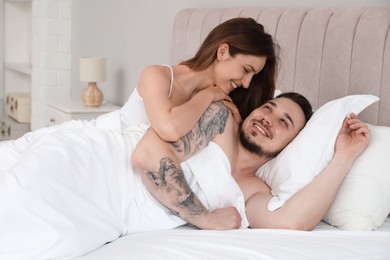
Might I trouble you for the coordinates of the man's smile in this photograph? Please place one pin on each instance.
(263, 129)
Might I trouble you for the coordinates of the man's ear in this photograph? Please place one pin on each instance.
(223, 51)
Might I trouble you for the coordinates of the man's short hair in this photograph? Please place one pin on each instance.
(302, 102)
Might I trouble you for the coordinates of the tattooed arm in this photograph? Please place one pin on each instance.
(159, 165)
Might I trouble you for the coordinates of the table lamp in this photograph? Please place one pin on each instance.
(92, 70)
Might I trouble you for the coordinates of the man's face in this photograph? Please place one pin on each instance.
(269, 128)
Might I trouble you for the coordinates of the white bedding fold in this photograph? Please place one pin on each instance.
(69, 189)
(61, 198)
(212, 171)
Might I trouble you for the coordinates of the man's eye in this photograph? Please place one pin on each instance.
(284, 122)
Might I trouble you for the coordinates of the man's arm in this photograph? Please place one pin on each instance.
(305, 209)
(158, 162)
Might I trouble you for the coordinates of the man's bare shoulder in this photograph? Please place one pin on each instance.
(257, 195)
(251, 185)
(227, 139)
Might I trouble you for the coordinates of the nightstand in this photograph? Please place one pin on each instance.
(11, 129)
(62, 111)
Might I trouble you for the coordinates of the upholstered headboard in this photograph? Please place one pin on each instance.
(326, 53)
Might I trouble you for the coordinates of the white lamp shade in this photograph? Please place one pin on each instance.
(92, 69)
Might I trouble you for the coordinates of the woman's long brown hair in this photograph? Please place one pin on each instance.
(244, 36)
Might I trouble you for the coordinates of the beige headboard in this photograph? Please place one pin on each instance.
(326, 52)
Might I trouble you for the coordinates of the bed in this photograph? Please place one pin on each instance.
(338, 58)
(326, 54)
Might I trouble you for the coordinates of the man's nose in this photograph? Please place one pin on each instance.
(267, 121)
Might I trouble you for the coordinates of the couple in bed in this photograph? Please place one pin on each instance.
(69, 189)
(237, 64)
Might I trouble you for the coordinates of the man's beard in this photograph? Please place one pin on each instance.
(255, 148)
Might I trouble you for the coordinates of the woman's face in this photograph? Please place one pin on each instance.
(233, 72)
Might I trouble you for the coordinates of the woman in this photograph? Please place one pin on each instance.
(81, 195)
(236, 62)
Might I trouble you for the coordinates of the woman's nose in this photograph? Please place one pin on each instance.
(246, 81)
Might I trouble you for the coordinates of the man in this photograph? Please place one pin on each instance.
(262, 135)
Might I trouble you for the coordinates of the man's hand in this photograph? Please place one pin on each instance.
(353, 137)
(221, 219)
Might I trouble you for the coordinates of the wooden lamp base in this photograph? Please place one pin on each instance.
(92, 96)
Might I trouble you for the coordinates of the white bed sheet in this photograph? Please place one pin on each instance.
(325, 242)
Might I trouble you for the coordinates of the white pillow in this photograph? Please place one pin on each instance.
(363, 201)
(311, 151)
(277, 92)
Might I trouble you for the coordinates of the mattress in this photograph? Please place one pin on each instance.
(325, 242)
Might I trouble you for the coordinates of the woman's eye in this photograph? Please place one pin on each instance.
(246, 70)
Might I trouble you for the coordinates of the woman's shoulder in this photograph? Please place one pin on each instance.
(154, 75)
(156, 70)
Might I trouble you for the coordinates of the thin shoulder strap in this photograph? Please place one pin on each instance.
(171, 86)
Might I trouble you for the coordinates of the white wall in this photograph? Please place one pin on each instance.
(132, 34)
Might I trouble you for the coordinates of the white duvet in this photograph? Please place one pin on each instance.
(69, 189)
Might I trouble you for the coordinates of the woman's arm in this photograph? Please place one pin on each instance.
(168, 120)
(305, 209)
(158, 162)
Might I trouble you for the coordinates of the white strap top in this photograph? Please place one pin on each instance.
(171, 86)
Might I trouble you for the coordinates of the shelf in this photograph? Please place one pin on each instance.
(20, 67)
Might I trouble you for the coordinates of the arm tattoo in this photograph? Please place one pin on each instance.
(171, 178)
(212, 123)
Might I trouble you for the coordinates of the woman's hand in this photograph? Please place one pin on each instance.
(234, 110)
(216, 93)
